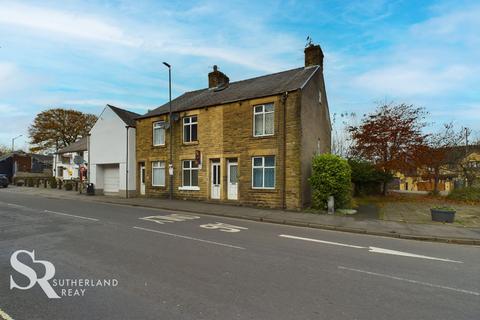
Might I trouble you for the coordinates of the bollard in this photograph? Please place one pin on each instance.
(331, 205)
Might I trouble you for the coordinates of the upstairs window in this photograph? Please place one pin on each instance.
(159, 133)
(263, 172)
(263, 120)
(190, 125)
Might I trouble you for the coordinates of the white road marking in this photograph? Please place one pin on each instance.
(371, 249)
(222, 227)
(321, 241)
(174, 217)
(406, 254)
(189, 238)
(4, 315)
(70, 215)
(16, 205)
(411, 281)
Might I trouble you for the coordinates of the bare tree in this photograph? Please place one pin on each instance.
(341, 137)
(438, 150)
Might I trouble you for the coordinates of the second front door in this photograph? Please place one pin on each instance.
(216, 178)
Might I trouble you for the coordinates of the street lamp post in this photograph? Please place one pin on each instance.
(170, 165)
(13, 142)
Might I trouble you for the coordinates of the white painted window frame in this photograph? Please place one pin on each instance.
(263, 167)
(191, 168)
(263, 113)
(191, 123)
(157, 126)
(158, 165)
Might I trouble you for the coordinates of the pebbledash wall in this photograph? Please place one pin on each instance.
(225, 133)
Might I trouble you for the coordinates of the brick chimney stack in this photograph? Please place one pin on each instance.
(313, 56)
(217, 78)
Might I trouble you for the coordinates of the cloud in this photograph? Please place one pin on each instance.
(410, 79)
(171, 35)
(66, 23)
(423, 62)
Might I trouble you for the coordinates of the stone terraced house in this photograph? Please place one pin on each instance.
(249, 142)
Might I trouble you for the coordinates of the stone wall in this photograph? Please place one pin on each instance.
(226, 132)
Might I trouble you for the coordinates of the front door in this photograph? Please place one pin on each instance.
(142, 178)
(216, 178)
(232, 180)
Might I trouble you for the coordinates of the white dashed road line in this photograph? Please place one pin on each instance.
(410, 281)
(70, 215)
(190, 238)
(4, 315)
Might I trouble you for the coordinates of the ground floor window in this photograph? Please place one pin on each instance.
(263, 172)
(158, 173)
(190, 173)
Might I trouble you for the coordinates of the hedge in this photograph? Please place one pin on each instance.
(331, 176)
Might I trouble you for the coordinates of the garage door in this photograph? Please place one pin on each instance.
(111, 178)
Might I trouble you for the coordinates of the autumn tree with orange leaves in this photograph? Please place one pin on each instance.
(57, 128)
(390, 138)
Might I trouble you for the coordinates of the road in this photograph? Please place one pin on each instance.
(174, 265)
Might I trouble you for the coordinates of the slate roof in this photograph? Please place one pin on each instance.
(79, 145)
(127, 116)
(263, 86)
(458, 153)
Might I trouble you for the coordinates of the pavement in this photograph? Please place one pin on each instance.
(438, 232)
(175, 265)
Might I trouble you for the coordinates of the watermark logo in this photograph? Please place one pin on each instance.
(66, 287)
(32, 275)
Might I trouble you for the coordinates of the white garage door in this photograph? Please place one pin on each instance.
(111, 178)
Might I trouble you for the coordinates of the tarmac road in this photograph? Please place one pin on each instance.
(174, 265)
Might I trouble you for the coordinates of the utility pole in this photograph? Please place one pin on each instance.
(170, 165)
(13, 142)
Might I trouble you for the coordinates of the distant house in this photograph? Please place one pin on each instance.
(461, 166)
(70, 163)
(14, 163)
(112, 152)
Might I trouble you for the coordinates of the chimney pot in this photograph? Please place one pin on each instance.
(217, 78)
(313, 56)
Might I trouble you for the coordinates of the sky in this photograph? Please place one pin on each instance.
(85, 54)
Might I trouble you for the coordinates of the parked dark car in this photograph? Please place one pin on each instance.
(3, 180)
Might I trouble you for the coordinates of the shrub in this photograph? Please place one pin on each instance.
(331, 176)
(465, 194)
(19, 183)
(60, 183)
(366, 178)
(45, 183)
(53, 182)
(30, 182)
(68, 186)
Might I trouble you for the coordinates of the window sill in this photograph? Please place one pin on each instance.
(158, 186)
(159, 146)
(190, 143)
(263, 189)
(189, 188)
(264, 136)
